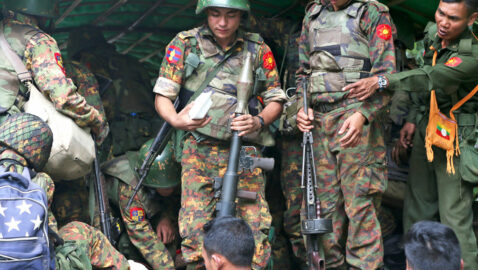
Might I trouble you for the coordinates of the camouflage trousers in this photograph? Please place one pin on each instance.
(351, 182)
(291, 171)
(99, 250)
(201, 162)
(141, 233)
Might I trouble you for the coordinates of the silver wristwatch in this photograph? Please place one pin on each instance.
(382, 83)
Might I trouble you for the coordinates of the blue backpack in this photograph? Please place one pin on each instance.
(24, 242)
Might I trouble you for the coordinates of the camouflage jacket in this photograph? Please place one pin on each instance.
(453, 76)
(178, 71)
(42, 58)
(374, 29)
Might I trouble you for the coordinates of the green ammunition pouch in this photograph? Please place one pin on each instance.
(468, 136)
(72, 255)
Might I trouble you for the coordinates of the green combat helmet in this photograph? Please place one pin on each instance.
(235, 4)
(29, 136)
(42, 8)
(164, 172)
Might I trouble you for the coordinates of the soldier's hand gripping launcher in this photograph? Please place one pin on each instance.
(226, 187)
(312, 225)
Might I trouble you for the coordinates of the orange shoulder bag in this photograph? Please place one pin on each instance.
(443, 131)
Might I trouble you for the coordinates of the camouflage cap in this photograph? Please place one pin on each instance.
(234, 4)
(29, 136)
(164, 172)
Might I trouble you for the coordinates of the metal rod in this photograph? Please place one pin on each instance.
(139, 41)
(108, 12)
(67, 11)
(135, 23)
(150, 55)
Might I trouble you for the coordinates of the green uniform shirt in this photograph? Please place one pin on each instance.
(453, 76)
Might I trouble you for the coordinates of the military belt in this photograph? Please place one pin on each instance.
(328, 107)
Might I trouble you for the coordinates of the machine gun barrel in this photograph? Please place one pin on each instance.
(102, 201)
(312, 225)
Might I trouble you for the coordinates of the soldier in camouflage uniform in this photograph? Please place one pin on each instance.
(42, 58)
(190, 57)
(71, 197)
(343, 41)
(433, 193)
(151, 220)
(25, 143)
(125, 89)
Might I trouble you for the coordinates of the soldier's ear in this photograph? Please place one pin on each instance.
(471, 19)
(218, 260)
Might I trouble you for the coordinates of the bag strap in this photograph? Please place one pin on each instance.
(462, 101)
(209, 77)
(22, 73)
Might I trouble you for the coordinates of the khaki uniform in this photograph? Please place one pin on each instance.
(432, 193)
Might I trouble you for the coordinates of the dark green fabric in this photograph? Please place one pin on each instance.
(72, 255)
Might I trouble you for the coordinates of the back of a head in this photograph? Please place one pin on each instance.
(432, 245)
(230, 237)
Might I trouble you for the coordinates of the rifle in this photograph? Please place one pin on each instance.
(156, 148)
(226, 187)
(312, 225)
(102, 199)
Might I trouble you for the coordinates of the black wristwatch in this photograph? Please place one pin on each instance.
(261, 120)
(382, 83)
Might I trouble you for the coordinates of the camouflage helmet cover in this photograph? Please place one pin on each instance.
(234, 4)
(29, 136)
(164, 172)
(42, 8)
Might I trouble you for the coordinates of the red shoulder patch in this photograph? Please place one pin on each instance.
(453, 62)
(59, 62)
(173, 54)
(136, 214)
(268, 61)
(384, 31)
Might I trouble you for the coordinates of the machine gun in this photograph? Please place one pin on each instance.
(103, 205)
(312, 225)
(156, 148)
(226, 187)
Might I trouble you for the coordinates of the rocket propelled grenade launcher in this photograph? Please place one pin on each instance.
(226, 187)
(312, 224)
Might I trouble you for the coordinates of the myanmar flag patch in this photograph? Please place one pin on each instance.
(59, 62)
(136, 214)
(269, 62)
(173, 54)
(453, 62)
(384, 31)
(442, 131)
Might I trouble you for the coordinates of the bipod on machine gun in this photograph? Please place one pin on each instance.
(226, 187)
(313, 226)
